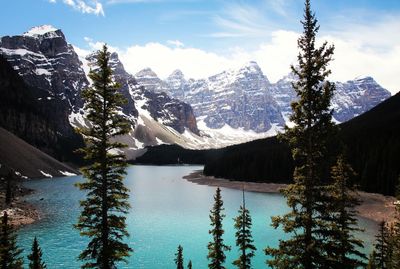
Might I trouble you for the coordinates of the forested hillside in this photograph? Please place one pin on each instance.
(372, 143)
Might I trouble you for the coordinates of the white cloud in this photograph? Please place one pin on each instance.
(97, 45)
(163, 60)
(367, 51)
(84, 6)
(176, 43)
(351, 59)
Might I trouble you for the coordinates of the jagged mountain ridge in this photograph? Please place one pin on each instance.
(45, 61)
(238, 98)
(244, 98)
(232, 107)
(144, 105)
(350, 99)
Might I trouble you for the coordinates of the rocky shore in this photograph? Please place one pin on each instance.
(19, 211)
(376, 207)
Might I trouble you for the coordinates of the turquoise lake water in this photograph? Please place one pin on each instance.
(166, 211)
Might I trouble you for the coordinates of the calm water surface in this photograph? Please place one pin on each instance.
(166, 211)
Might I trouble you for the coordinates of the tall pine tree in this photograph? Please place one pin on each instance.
(387, 246)
(9, 252)
(189, 265)
(179, 258)
(341, 245)
(217, 247)
(308, 140)
(35, 258)
(244, 239)
(396, 235)
(383, 249)
(103, 212)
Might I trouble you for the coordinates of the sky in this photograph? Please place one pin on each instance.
(205, 37)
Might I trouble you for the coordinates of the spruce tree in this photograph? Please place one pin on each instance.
(179, 258)
(396, 228)
(244, 239)
(103, 212)
(35, 258)
(308, 140)
(217, 247)
(189, 265)
(383, 247)
(9, 252)
(341, 245)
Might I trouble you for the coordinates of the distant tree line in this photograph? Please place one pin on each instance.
(371, 142)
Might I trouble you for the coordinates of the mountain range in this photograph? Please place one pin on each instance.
(43, 77)
(245, 98)
(51, 76)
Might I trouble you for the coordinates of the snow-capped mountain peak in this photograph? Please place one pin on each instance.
(251, 67)
(176, 74)
(41, 30)
(146, 73)
(149, 79)
(363, 78)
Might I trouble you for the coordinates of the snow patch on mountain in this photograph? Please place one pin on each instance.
(40, 30)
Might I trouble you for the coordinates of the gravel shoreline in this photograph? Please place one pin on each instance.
(376, 207)
(19, 211)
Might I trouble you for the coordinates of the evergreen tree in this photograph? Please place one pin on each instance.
(383, 247)
(244, 239)
(308, 140)
(217, 247)
(103, 212)
(342, 247)
(35, 257)
(9, 252)
(179, 258)
(396, 229)
(190, 265)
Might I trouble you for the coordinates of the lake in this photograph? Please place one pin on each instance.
(166, 211)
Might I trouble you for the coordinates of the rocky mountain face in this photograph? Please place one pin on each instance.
(357, 96)
(30, 108)
(351, 98)
(238, 98)
(149, 79)
(51, 76)
(49, 66)
(244, 98)
(45, 60)
(160, 106)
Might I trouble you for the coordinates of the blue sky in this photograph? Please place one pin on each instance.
(169, 34)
